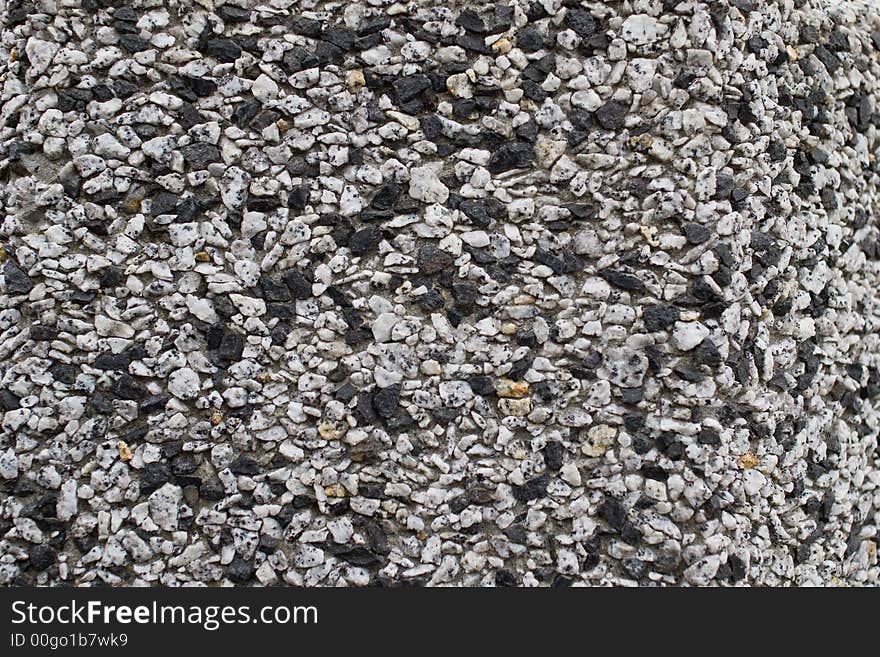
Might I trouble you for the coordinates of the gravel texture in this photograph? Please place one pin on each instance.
(439, 293)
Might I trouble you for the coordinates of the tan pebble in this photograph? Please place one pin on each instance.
(598, 439)
(216, 417)
(202, 256)
(264, 376)
(355, 78)
(502, 46)
(512, 389)
(124, 451)
(334, 490)
(640, 142)
(748, 460)
(515, 407)
(330, 430)
(649, 232)
(133, 204)
(547, 151)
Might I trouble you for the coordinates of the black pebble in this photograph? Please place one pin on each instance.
(660, 317)
(513, 155)
(505, 578)
(125, 387)
(554, 455)
(580, 21)
(532, 489)
(365, 240)
(63, 372)
(529, 39)
(482, 385)
(298, 197)
(240, 571)
(271, 290)
(231, 346)
(612, 512)
(199, 155)
(410, 86)
(385, 400)
(706, 353)
(612, 115)
(8, 401)
(17, 281)
(244, 465)
(41, 333)
(154, 475)
(41, 557)
(622, 280)
(708, 437)
(224, 50)
(132, 43)
(432, 260)
(299, 285)
(696, 233)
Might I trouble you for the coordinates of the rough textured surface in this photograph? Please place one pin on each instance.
(436, 293)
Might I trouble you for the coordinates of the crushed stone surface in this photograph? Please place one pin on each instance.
(439, 293)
